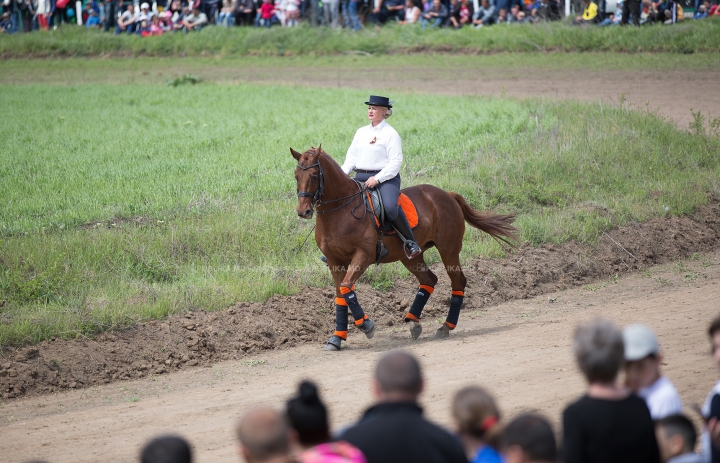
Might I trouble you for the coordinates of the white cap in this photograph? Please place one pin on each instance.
(639, 342)
(145, 6)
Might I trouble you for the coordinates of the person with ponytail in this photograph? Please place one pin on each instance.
(308, 417)
(476, 418)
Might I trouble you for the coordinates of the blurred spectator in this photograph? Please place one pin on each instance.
(609, 423)
(701, 12)
(195, 21)
(263, 436)
(476, 418)
(529, 438)
(350, 14)
(331, 12)
(93, 20)
(166, 449)
(642, 372)
(611, 20)
(179, 19)
(485, 15)
(166, 22)
(156, 27)
(143, 29)
(515, 15)
(394, 430)
(27, 13)
(590, 14)
(387, 9)
(436, 16)
(631, 7)
(711, 407)
(43, 13)
(127, 20)
(59, 15)
(649, 13)
(549, 10)
(5, 24)
(672, 12)
(227, 13)
(307, 415)
(676, 438)
(292, 12)
(112, 12)
(145, 13)
(462, 15)
(412, 13)
(245, 12)
(267, 10)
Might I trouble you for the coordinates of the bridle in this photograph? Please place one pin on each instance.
(320, 190)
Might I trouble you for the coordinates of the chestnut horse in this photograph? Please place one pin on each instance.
(347, 236)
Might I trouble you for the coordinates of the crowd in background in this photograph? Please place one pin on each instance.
(163, 16)
(641, 420)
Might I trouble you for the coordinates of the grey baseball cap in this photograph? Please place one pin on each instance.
(639, 342)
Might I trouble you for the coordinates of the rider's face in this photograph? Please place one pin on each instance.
(376, 114)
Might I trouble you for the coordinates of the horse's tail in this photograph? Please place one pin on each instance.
(498, 226)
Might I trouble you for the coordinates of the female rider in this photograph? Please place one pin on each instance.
(376, 155)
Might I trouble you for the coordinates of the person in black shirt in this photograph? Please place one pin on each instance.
(609, 423)
(394, 430)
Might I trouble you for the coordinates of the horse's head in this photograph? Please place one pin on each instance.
(309, 177)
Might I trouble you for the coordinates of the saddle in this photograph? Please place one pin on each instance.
(373, 203)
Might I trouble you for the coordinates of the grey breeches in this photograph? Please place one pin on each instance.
(389, 191)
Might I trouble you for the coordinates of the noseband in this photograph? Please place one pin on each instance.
(320, 188)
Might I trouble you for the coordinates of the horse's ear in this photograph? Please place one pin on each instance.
(295, 154)
(319, 150)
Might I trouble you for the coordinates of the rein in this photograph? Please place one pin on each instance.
(320, 191)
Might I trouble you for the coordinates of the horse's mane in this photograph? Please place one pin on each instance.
(322, 154)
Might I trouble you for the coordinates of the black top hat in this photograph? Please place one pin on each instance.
(379, 101)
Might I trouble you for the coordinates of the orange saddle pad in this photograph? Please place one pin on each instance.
(408, 208)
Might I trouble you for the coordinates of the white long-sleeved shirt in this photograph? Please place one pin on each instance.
(375, 148)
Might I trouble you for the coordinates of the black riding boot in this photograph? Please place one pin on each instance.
(401, 225)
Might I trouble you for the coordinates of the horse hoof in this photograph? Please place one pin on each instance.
(415, 329)
(367, 327)
(443, 332)
(333, 344)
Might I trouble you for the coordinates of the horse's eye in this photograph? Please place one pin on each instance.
(315, 177)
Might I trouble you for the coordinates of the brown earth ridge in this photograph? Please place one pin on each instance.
(203, 338)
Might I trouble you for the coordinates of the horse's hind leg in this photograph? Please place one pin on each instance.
(451, 260)
(427, 280)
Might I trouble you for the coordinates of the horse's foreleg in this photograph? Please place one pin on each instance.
(347, 290)
(427, 281)
(341, 308)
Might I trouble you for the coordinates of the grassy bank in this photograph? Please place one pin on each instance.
(125, 202)
(688, 37)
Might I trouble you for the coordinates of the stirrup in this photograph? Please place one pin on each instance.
(411, 249)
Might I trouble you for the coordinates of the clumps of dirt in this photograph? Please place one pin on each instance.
(202, 338)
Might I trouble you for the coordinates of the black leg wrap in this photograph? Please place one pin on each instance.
(455, 306)
(354, 305)
(341, 318)
(421, 298)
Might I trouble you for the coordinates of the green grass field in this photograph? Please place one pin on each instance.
(687, 37)
(124, 202)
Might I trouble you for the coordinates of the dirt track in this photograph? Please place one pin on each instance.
(672, 94)
(520, 350)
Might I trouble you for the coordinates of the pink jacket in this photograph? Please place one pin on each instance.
(332, 452)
